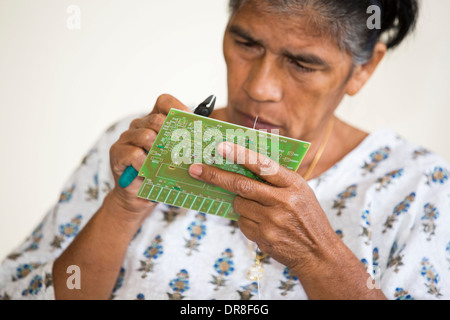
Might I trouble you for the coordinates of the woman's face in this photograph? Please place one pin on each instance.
(282, 72)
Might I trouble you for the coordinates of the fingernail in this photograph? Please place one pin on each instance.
(224, 148)
(195, 170)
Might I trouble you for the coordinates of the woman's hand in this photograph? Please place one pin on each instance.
(283, 216)
(100, 247)
(131, 150)
(287, 222)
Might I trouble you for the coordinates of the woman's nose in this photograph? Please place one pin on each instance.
(264, 82)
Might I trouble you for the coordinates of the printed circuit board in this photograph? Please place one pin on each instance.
(187, 138)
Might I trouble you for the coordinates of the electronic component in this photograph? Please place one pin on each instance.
(187, 138)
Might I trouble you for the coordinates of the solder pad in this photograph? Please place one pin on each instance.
(166, 178)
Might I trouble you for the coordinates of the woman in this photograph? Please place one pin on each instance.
(361, 219)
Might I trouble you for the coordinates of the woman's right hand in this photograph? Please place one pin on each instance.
(130, 150)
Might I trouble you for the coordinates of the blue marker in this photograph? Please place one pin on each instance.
(204, 109)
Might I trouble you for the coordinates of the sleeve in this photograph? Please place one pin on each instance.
(418, 267)
(26, 273)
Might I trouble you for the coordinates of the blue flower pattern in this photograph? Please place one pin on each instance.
(366, 229)
(388, 178)
(375, 158)
(348, 193)
(153, 252)
(290, 280)
(370, 207)
(402, 207)
(431, 276)
(67, 231)
(179, 285)
(401, 294)
(224, 266)
(429, 220)
(197, 230)
(248, 291)
(438, 175)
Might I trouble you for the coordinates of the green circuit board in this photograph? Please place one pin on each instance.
(186, 138)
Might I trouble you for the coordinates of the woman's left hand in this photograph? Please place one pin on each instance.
(282, 216)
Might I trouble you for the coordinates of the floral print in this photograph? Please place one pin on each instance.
(348, 193)
(66, 195)
(92, 192)
(402, 207)
(140, 296)
(420, 152)
(288, 285)
(224, 266)
(119, 282)
(375, 158)
(401, 294)
(36, 284)
(24, 269)
(388, 201)
(431, 276)
(248, 291)
(179, 285)
(438, 175)
(170, 213)
(67, 230)
(428, 220)
(197, 230)
(387, 179)
(366, 231)
(152, 253)
(395, 257)
(33, 245)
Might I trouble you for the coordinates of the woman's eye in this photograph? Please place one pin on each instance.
(245, 44)
(301, 67)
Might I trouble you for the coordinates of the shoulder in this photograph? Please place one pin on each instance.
(415, 161)
(383, 157)
(385, 151)
(385, 169)
(403, 177)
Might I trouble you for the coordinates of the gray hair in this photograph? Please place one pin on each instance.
(346, 21)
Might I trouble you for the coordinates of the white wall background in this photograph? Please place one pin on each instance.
(60, 88)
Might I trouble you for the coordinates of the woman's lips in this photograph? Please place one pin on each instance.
(249, 121)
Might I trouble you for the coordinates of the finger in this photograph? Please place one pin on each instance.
(249, 209)
(124, 156)
(165, 102)
(249, 228)
(141, 137)
(268, 169)
(151, 121)
(234, 182)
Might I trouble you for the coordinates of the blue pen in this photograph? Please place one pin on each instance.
(204, 109)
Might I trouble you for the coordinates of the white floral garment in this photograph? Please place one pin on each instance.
(388, 200)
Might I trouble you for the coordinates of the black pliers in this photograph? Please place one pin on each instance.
(206, 107)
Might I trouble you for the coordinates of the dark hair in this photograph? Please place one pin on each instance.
(346, 21)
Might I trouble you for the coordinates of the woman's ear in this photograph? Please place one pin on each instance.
(362, 73)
